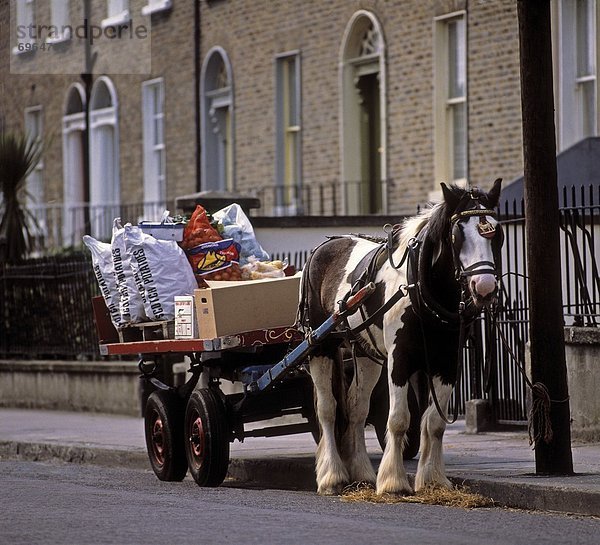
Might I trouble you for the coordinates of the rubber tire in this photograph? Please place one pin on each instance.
(163, 428)
(206, 449)
(380, 408)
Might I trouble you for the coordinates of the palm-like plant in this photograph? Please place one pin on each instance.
(19, 155)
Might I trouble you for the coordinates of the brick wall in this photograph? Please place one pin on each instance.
(252, 34)
(172, 57)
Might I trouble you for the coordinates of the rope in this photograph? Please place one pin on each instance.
(539, 413)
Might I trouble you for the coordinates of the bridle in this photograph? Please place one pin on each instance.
(486, 230)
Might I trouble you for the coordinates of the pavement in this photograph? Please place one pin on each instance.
(499, 465)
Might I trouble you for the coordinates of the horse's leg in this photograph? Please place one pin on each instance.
(391, 477)
(331, 472)
(431, 469)
(354, 450)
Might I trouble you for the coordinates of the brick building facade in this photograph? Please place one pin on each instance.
(345, 106)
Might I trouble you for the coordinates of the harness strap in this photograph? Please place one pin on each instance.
(472, 270)
(381, 310)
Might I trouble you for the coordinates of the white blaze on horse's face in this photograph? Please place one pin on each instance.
(477, 249)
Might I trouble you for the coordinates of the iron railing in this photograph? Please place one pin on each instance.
(329, 198)
(46, 308)
(58, 226)
(62, 225)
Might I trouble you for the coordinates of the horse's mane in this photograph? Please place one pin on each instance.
(435, 216)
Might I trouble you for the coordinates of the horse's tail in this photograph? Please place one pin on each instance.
(340, 382)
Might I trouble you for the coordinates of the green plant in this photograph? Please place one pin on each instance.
(19, 155)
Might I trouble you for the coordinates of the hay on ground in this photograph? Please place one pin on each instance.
(455, 497)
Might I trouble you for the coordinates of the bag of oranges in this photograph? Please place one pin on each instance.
(211, 257)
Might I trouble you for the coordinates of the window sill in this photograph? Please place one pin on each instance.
(116, 20)
(155, 7)
(62, 38)
(18, 52)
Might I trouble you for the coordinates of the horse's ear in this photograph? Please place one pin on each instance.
(450, 198)
(494, 193)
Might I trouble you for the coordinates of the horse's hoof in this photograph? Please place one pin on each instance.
(395, 490)
(440, 482)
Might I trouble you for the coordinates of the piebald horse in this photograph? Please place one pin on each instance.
(441, 267)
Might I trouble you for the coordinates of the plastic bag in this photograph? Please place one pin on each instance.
(105, 275)
(255, 270)
(163, 270)
(237, 226)
(211, 257)
(129, 286)
(199, 230)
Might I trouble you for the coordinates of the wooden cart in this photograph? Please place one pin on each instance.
(191, 425)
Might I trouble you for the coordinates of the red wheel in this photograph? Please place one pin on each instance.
(197, 439)
(206, 437)
(163, 426)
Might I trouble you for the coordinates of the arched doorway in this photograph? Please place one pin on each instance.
(74, 195)
(216, 95)
(104, 157)
(363, 115)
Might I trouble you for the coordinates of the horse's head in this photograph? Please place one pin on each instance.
(476, 239)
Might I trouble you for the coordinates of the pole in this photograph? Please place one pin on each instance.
(86, 78)
(548, 365)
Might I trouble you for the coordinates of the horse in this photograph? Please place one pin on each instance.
(435, 274)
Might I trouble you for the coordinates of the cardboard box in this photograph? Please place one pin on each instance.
(185, 317)
(227, 308)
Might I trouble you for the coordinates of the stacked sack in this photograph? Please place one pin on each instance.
(139, 275)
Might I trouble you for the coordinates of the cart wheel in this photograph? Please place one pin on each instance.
(378, 415)
(163, 426)
(206, 438)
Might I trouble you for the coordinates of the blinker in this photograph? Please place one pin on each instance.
(485, 228)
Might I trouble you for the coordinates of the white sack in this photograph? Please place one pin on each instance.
(131, 289)
(105, 274)
(163, 269)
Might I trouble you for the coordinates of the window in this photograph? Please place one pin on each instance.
(217, 119)
(60, 30)
(74, 190)
(34, 183)
(288, 130)
(363, 114)
(156, 5)
(451, 99)
(154, 148)
(24, 11)
(104, 158)
(117, 14)
(578, 72)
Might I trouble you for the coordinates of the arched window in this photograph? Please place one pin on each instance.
(216, 95)
(74, 194)
(104, 157)
(363, 114)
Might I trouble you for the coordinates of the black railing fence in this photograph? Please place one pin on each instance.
(45, 306)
